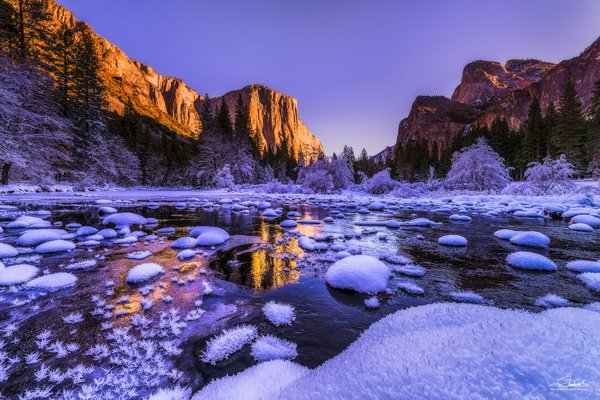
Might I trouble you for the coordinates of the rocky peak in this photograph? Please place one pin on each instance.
(275, 115)
(484, 82)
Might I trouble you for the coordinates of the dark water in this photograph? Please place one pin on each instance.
(327, 320)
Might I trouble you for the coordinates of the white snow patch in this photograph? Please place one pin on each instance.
(143, 272)
(228, 342)
(52, 282)
(139, 255)
(361, 273)
(55, 246)
(267, 348)
(531, 239)
(17, 274)
(584, 266)
(528, 260)
(552, 300)
(469, 297)
(279, 313)
(591, 279)
(452, 240)
(6, 250)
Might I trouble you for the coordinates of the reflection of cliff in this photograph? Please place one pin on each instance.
(271, 268)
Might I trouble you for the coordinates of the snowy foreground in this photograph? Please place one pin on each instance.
(146, 291)
(442, 351)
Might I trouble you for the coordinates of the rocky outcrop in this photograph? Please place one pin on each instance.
(436, 119)
(275, 115)
(174, 104)
(484, 82)
(489, 90)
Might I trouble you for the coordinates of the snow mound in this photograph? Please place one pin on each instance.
(55, 246)
(579, 227)
(420, 352)
(288, 223)
(86, 231)
(410, 287)
(361, 273)
(186, 254)
(174, 393)
(52, 282)
(6, 250)
(108, 233)
(209, 235)
(452, 240)
(143, 272)
(279, 313)
(552, 300)
(531, 239)
(228, 342)
(584, 266)
(39, 236)
(121, 220)
(505, 234)
(591, 279)
(460, 218)
(410, 270)
(184, 243)
(267, 348)
(17, 274)
(372, 302)
(528, 260)
(262, 381)
(139, 255)
(468, 297)
(586, 219)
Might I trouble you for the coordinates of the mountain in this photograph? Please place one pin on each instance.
(489, 90)
(275, 115)
(175, 105)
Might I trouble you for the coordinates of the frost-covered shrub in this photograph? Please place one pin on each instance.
(316, 177)
(277, 187)
(342, 173)
(477, 167)
(223, 178)
(551, 176)
(380, 183)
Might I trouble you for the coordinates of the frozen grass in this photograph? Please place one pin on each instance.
(228, 342)
(279, 313)
(267, 348)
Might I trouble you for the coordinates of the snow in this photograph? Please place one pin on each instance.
(435, 350)
(531, 239)
(86, 231)
(184, 243)
(6, 250)
(579, 227)
(175, 393)
(584, 266)
(361, 273)
(186, 254)
(106, 210)
(108, 233)
(267, 348)
(139, 255)
(262, 381)
(410, 270)
(55, 246)
(586, 219)
(410, 287)
(505, 234)
(209, 235)
(279, 313)
(82, 265)
(372, 302)
(591, 279)
(288, 223)
(552, 300)
(460, 218)
(528, 260)
(452, 240)
(468, 297)
(121, 220)
(144, 272)
(39, 236)
(17, 274)
(228, 342)
(53, 282)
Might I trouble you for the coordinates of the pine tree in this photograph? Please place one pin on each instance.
(595, 106)
(533, 141)
(550, 122)
(24, 29)
(571, 129)
(88, 84)
(242, 126)
(62, 61)
(223, 120)
(206, 114)
(9, 33)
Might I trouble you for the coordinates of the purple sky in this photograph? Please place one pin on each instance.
(354, 66)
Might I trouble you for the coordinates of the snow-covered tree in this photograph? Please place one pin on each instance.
(380, 183)
(223, 178)
(477, 167)
(341, 173)
(551, 176)
(316, 177)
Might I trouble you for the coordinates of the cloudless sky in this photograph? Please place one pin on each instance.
(355, 66)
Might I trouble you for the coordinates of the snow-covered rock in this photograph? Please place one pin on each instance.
(586, 219)
(17, 274)
(279, 313)
(552, 300)
(584, 266)
(410, 270)
(209, 235)
(288, 223)
(82, 265)
(184, 243)
(108, 233)
(591, 279)
(6, 250)
(267, 348)
(531, 239)
(144, 272)
(468, 297)
(55, 246)
(361, 273)
(528, 260)
(187, 254)
(580, 227)
(460, 218)
(39, 236)
(505, 234)
(52, 282)
(121, 220)
(139, 255)
(452, 240)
